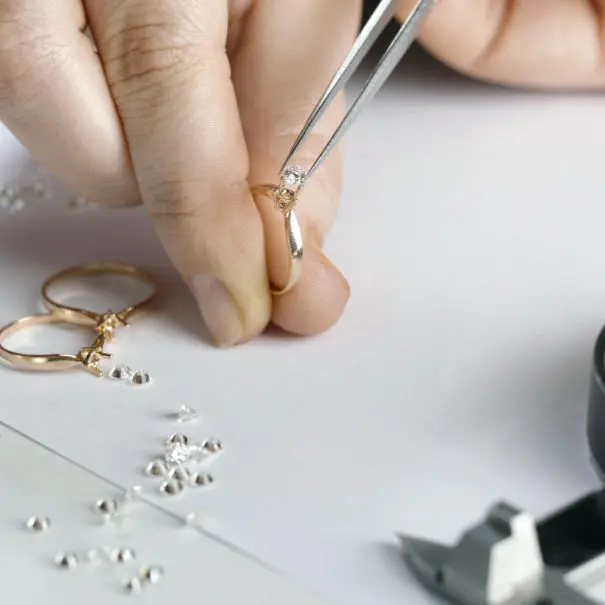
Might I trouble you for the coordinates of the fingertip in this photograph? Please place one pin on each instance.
(317, 301)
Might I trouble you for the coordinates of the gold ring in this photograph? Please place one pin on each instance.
(104, 323)
(87, 358)
(285, 196)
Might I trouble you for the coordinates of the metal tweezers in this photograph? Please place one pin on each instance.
(401, 43)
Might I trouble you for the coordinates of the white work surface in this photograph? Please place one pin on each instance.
(471, 232)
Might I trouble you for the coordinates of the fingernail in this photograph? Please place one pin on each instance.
(218, 308)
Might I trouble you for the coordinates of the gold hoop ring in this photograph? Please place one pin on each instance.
(87, 357)
(104, 323)
(284, 202)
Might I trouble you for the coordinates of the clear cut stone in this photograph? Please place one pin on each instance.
(171, 487)
(180, 473)
(177, 453)
(293, 176)
(38, 524)
(179, 438)
(156, 468)
(133, 586)
(153, 574)
(186, 414)
(202, 479)
(123, 555)
(67, 560)
(123, 373)
(213, 445)
(107, 507)
(139, 378)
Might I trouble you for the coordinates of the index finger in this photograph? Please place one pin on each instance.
(167, 67)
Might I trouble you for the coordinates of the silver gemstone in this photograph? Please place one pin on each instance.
(171, 487)
(177, 438)
(176, 453)
(213, 446)
(186, 414)
(180, 473)
(202, 479)
(107, 507)
(123, 373)
(153, 574)
(139, 378)
(123, 555)
(67, 560)
(38, 524)
(156, 468)
(133, 586)
(293, 177)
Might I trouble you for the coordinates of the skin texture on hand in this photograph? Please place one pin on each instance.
(536, 44)
(183, 105)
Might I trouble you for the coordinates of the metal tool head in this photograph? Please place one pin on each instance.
(376, 24)
(508, 559)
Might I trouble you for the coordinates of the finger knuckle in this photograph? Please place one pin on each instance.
(149, 47)
(25, 45)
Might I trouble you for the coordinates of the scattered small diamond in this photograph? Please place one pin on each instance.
(186, 414)
(152, 574)
(202, 479)
(108, 508)
(171, 488)
(139, 378)
(176, 453)
(67, 560)
(38, 524)
(123, 555)
(157, 468)
(177, 438)
(133, 586)
(180, 473)
(213, 446)
(122, 373)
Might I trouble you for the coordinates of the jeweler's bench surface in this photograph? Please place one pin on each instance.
(471, 234)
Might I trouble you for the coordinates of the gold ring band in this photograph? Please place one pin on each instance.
(88, 357)
(293, 235)
(105, 323)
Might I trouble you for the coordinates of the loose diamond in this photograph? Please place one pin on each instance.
(202, 479)
(171, 488)
(212, 446)
(153, 574)
(157, 468)
(133, 586)
(139, 378)
(186, 414)
(293, 177)
(177, 453)
(123, 373)
(108, 508)
(177, 438)
(38, 524)
(180, 473)
(67, 560)
(123, 555)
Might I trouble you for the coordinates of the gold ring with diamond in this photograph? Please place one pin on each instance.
(105, 323)
(284, 197)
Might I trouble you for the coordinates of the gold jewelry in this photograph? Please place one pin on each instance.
(88, 357)
(285, 197)
(104, 323)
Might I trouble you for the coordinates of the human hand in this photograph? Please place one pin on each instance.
(186, 104)
(548, 44)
